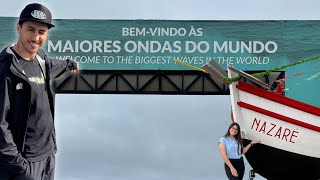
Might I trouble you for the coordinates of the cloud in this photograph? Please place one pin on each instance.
(140, 137)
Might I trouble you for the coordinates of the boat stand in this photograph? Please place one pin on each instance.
(252, 174)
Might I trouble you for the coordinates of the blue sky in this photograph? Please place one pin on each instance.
(147, 137)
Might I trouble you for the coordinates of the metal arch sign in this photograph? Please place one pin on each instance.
(154, 44)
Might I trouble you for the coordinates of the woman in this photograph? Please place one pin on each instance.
(231, 149)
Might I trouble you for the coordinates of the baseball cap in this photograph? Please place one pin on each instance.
(38, 13)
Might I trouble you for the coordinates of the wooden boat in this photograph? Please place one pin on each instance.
(289, 130)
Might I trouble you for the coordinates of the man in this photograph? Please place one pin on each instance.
(27, 134)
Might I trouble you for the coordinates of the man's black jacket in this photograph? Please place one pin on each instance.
(15, 95)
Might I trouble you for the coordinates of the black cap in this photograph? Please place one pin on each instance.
(38, 13)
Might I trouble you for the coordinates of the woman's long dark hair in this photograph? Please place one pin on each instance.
(237, 136)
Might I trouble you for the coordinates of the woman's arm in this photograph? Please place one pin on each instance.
(223, 153)
(246, 149)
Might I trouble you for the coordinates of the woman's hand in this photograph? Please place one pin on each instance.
(254, 142)
(234, 172)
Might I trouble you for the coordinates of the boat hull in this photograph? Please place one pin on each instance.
(276, 121)
(289, 132)
(278, 164)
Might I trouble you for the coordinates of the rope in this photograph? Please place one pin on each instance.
(190, 66)
(231, 80)
(261, 74)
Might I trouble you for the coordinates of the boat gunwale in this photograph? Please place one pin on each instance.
(278, 98)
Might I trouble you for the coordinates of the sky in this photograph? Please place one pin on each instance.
(150, 137)
(174, 10)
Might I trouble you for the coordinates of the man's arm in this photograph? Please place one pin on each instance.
(9, 155)
(58, 67)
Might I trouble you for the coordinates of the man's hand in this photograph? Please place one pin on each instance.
(73, 67)
(75, 70)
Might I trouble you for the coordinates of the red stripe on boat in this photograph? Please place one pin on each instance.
(279, 116)
(278, 98)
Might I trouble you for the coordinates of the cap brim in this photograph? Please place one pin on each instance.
(39, 21)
